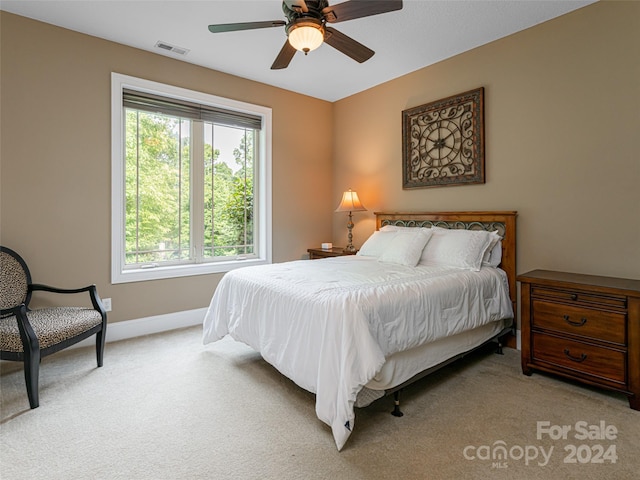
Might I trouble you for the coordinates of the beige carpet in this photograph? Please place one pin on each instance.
(167, 407)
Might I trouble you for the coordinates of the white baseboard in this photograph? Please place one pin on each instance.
(148, 325)
(163, 323)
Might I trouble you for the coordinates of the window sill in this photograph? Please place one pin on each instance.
(176, 271)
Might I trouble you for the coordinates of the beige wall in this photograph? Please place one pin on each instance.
(562, 121)
(55, 153)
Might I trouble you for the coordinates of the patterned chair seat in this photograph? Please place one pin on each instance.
(51, 326)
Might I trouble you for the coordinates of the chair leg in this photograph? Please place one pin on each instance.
(100, 338)
(31, 373)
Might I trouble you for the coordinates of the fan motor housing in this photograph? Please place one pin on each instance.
(314, 10)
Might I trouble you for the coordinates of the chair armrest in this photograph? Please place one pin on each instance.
(96, 301)
(47, 288)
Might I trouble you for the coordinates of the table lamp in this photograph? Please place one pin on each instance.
(350, 203)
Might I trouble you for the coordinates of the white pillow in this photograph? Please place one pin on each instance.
(493, 255)
(406, 246)
(457, 248)
(376, 244)
(397, 228)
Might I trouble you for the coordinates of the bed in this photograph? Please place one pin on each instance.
(351, 329)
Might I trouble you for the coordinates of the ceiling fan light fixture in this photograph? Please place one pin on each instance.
(306, 26)
(306, 37)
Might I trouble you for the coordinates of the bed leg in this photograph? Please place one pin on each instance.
(499, 349)
(396, 405)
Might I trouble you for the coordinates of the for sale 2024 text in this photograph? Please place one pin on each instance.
(581, 431)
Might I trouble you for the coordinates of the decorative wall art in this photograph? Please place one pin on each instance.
(443, 142)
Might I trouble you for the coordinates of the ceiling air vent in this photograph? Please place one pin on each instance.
(171, 48)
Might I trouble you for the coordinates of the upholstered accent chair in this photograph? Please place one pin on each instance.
(28, 335)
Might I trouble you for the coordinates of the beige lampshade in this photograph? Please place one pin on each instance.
(350, 203)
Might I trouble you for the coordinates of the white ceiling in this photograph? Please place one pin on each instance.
(422, 33)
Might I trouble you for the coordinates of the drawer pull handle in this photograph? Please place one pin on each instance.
(582, 321)
(580, 359)
(574, 296)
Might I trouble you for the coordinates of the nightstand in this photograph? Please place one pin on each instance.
(315, 253)
(582, 327)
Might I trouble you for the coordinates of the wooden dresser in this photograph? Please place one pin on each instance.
(583, 327)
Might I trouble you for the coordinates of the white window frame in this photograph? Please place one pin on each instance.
(262, 184)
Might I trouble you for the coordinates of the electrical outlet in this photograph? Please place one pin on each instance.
(107, 304)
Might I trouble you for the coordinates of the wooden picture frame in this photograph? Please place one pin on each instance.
(443, 142)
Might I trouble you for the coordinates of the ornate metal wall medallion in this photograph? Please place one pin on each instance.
(443, 142)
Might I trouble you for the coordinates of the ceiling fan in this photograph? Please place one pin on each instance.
(306, 26)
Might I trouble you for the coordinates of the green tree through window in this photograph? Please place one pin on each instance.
(160, 152)
(229, 195)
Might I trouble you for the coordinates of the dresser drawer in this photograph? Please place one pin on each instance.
(586, 322)
(579, 297)
(606, 364)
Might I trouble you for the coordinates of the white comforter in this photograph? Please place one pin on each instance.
(329, 324)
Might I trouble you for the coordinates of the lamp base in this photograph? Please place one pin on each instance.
(350, 248)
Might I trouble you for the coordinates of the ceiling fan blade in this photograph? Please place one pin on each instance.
(234, 27)
(347, 45)
(297, 5)
(359, 8)
(284, 57)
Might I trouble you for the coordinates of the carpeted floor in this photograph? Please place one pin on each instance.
(167, 407)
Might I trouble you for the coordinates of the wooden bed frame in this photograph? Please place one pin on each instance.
(504, 222)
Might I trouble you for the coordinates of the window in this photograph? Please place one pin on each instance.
(190, 182)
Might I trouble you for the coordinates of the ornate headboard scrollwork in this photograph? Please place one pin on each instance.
(474, 225)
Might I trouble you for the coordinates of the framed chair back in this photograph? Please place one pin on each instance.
(15, 279)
